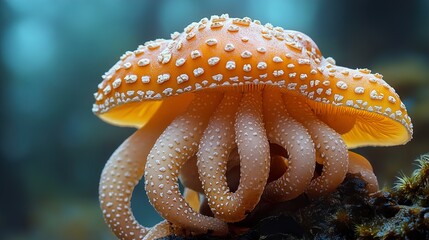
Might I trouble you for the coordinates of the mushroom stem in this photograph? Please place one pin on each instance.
(329, 145)
(121, 174)
(216, 146)
(361, 166)
(177, 144)
(285, 131)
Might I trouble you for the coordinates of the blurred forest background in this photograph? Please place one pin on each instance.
(53, 53)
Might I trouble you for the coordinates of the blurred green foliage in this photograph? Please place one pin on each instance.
(53, 53)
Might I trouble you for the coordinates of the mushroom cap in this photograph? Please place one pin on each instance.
(223, 53)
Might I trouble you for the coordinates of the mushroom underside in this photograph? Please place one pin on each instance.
(231, 149)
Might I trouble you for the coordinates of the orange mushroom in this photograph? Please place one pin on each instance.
(227, 83)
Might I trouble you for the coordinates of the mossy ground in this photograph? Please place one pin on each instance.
(349, 213)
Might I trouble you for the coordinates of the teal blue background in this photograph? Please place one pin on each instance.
(53, 52)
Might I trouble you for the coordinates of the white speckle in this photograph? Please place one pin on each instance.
(292, 75)
(261, 49)
(398, 113)
(234, 79)
(330, 60)
(326, 83)
(372, 80)
(246, 54)
(391, 99)
(117, 83)
(378, 108)
(267, 36)
(388, 110)
(131, 78)
(107, 90)
(198, 72)
(376, 96)
(168, 91)
(302, 76)
(244, 39)
(216, 24)
(359, 90)
(262, 65)
(328, 91)
(190, 35)
(291, 65)
(127, 65)
(303, 61)
(195, 54)
(164, 58)
(145, 79)
(213, 61)
(230, 65)
(174, 35)
(180, 62)
(233, 28)
(197, 87)
(342, 85)
(182, 78)
(229, 47)
(278, 73)
(291, 86)
(217, 77)
(153, 45)
(349, 103)
(163, 78)
(277, 59)
(211, 42)
(357, 76)
(130, 93)
(338, 97)
(247, 67)
(143, 62)
(319, 91)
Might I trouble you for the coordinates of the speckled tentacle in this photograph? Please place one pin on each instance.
(215, 147)
(361, 166)
(177, 144)
(163, 229)
(285, 131)
(121, 174)
(329, 145)
(247, 131)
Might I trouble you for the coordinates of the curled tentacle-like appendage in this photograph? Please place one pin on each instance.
(233, 125)
(329, 146)
(121, 174)
(177, 144)
(286, 132)
(361, 166)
